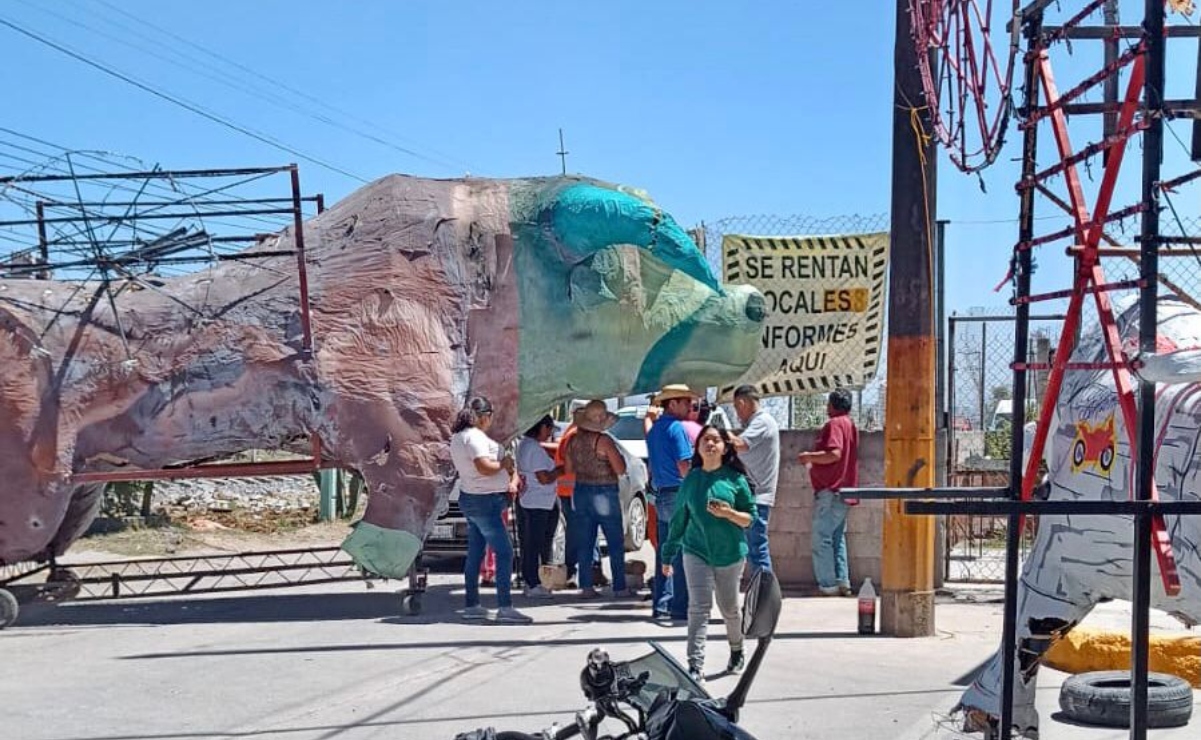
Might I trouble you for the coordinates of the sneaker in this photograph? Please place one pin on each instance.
(509, 615)
(626, 593)
(696, 672)
(537, 592)
(831, 591)
(737, 661)
(589, 593)
(474, 613)
(845, 590)
(598, 577)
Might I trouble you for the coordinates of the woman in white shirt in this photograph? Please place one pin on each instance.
(483, 494)
(537, 508)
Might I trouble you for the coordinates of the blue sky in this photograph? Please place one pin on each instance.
(714, 109)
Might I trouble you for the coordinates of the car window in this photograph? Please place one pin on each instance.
(628, 427)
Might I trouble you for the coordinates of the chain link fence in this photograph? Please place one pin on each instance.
(1179, 264)
(980, 353)
(807, 411)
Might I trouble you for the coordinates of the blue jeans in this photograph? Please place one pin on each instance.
(572, 535)
(600, 506)
(758, 555)
(485, 528)
(669, 595)
(830, 541)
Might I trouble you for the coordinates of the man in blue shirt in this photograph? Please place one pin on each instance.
(670, 455)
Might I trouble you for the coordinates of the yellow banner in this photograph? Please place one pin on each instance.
(825, 302)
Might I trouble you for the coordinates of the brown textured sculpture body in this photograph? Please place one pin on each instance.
(421, 291)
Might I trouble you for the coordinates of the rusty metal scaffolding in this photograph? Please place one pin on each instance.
(1141, 112)
(110, 230)
(178, 576)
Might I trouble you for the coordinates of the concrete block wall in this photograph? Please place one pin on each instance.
(792, 517)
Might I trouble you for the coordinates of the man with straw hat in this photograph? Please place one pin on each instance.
(595, 462)
(670, 456)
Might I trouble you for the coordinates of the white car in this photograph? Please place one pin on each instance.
(630, 429)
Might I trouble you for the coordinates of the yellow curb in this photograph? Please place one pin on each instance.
(1095, 650)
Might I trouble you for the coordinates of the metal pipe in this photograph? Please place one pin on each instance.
(1153, 23)
(926, 493)
(1001, 507)
(103, 219)
(43, 244)
(231, 470)
(1178, 108)
(983, 376)
(1107, 32)
(170, 203)
(942, 420)
(1023, 265)
(148, 175)
(1110, 90)
(951, 403)
(1039, 317)
(301, 268)
(1132, 253)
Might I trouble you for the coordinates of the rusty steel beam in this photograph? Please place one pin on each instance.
(227, 470)
(1105, 33)
(103, 219)
(306, 324)
(179, 202)
(149, 174)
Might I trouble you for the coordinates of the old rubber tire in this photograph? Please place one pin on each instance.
(412, 604)
(1103, 698)
(9, 609)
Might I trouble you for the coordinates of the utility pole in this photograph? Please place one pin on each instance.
(562, 152)
(907, 567)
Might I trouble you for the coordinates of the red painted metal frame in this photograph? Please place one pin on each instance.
(1089, 278)
(230, 470)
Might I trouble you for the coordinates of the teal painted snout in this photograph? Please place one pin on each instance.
(714, 347)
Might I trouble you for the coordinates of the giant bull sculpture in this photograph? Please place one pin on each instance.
(527, 291)
(1079, 561)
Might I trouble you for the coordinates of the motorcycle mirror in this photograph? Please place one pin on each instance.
(761, 608)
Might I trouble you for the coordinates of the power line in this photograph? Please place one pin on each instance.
(440, 158)
(192, 107)
(50, 158)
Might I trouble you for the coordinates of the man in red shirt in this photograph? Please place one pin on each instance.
(833, 465)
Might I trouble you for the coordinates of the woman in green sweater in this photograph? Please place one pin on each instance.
(713, 508)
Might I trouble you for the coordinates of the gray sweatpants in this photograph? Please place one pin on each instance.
(703, 581)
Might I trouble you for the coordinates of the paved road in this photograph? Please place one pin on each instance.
(337, 663)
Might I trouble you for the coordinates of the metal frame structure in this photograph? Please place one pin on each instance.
(119, 260)
(1142, 110)
(178, 576)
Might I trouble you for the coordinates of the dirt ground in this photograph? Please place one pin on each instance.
(202, 536)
